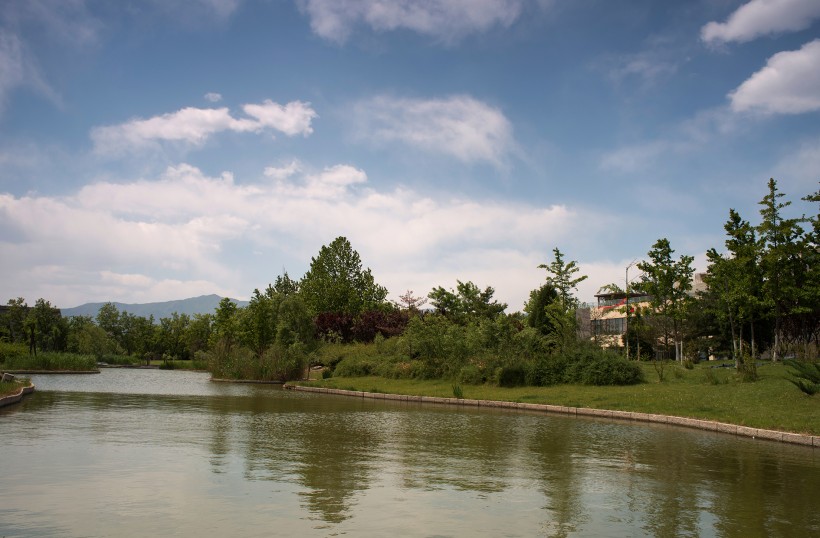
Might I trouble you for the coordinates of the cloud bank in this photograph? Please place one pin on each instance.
(184, 228)
(459, 126)
(193, 126)
(444, 20)
(762, 17)
(789, 84)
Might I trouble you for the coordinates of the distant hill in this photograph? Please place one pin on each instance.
(206, 304)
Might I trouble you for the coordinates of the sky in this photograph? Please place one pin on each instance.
(154, 150)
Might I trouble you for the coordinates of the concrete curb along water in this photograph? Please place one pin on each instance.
(15, 398)
(708, 425)
(44, 372)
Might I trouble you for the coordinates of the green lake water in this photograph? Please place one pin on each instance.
(158, 453)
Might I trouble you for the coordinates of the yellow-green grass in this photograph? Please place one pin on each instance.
(11, 387)
(703, 392)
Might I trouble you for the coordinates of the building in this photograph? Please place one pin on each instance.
(607, 319)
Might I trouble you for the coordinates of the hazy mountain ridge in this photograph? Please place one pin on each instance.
(204, 304)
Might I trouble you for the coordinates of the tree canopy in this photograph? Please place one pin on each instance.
(337, 283)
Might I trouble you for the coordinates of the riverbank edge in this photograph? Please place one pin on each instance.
(41, 372)
(248, 381)
(18, 397)
(695, 423)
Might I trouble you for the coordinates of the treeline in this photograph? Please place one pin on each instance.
(762, 296)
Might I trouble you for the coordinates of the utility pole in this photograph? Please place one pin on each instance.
(626, 321)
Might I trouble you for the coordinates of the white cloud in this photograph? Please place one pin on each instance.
(283, 172)
(459, 126)
(132, 239)
(789, 84)
(213, 97)
(292, 119)
(192, 126)
(762, 17)
(445, 20)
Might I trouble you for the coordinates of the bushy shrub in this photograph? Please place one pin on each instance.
(529, 343)
(334, 327)
(512, 376)
(283, 363)
(611, 369)
(355, 367)
(371, 323)
(547, 370)
(231, 362)
(9, 350)
(471, 374)
(439, 343)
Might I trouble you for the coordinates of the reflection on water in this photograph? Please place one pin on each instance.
(137, 453)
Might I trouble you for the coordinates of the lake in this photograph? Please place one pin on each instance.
(169, 453)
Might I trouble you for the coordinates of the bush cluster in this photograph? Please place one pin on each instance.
(498, 350)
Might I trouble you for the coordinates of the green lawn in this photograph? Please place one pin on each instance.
(703, 392)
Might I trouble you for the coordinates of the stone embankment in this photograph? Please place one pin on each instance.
(17, 396)
(709, 425)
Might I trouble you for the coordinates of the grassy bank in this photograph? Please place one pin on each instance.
(51, 361)
(11, 387)
(702, 392)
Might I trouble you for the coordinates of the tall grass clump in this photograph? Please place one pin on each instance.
(277, 363)
(806, 376)
(52, 361)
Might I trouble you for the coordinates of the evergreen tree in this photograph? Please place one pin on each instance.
(783, 269)
(668, 282)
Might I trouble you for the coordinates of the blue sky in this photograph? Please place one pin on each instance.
(160, 149)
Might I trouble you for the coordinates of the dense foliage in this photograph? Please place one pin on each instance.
(763, 295)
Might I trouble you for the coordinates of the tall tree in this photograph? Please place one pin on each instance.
(284, 285)
(561, 276)
(560, 313)
(466, 302)
(260, 319)
(336, 282)
(108, 319)
(15, 319)
(50, 329)
(810, 290)
(225, 326)
(668, 282)
(781, 260)
(736, 282)
(536, 308)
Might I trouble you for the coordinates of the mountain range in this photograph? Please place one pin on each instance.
(204, 304)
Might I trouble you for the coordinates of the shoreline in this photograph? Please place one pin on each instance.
(246, 381)
(17, 397)
(41, 372)
(694, 423)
